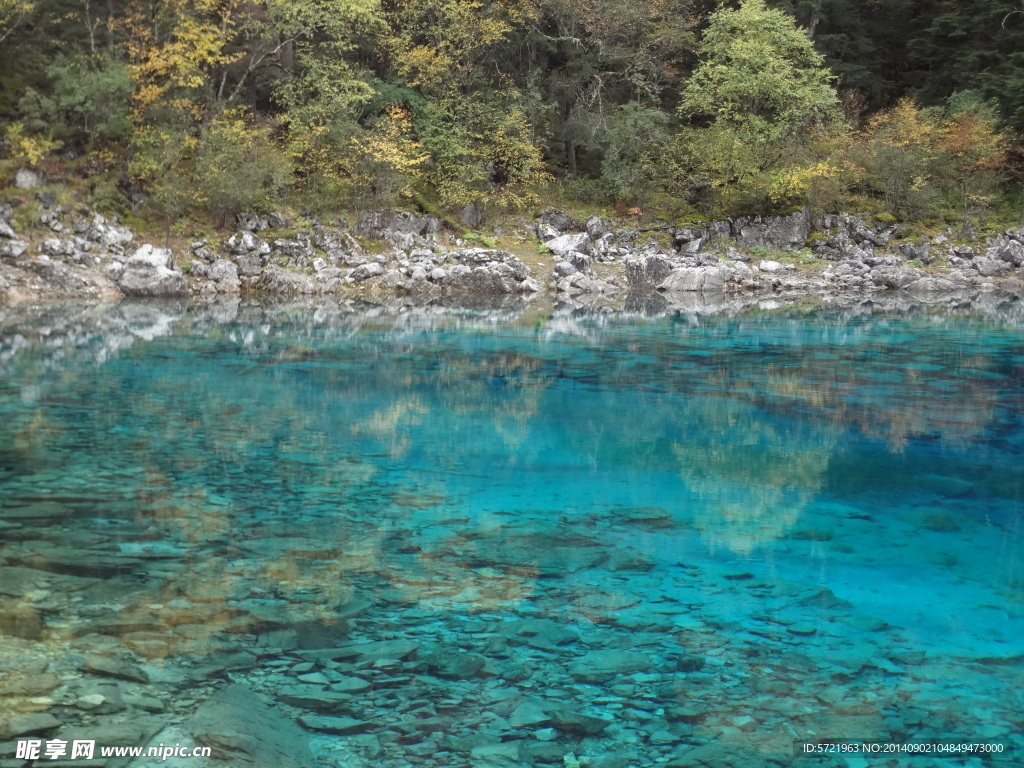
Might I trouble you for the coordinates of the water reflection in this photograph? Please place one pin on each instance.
(453, 539)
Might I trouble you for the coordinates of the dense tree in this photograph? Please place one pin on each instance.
(210, 106)
(758, 92)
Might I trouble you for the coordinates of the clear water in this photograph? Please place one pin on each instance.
(795, 525)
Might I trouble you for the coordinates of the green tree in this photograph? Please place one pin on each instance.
(759, 91)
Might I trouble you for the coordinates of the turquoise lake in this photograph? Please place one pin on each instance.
(509, 538)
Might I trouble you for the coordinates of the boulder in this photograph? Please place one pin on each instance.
(150, 272)
(246, 242)
(282, 282)
(13, 249)
(647, 271)
(250, 264)
(366, 271)
(597, 227)
(250, 222)
(777, 233)
(895, 277)
(990, 267)
(566, 244)
(1010, 251)
(243, 731)
(27, 179)
(705, 279)
(601, 666)
(557, 220)
(580, 261)
(931, 285)
(225, 274)
(383, 223)
(471, 216)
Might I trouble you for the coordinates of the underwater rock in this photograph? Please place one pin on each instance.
(577, 723)
(340, 726)
(602, 666)
(20, 620)
(316, 698)
(242, 729)
(28, 725)
(454, 664)
(108, 667)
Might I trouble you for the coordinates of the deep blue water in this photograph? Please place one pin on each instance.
(824, 509)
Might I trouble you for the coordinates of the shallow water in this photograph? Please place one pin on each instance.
(725, 533)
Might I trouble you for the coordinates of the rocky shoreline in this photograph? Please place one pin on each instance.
(406, 257)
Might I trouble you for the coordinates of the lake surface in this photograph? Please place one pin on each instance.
(458, 538)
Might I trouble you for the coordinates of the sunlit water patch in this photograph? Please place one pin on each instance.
(462, 539)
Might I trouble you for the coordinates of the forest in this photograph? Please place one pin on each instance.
(169, 109)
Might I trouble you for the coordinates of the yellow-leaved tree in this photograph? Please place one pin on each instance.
(480, 144)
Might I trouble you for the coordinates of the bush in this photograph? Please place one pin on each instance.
(239, 167)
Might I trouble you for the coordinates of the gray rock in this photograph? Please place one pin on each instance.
(769, 266)
(529, 714)
(13, 249)
(284, 283)
(225, 274)
(244, 731)
(556, 220)
(382, 223)
(438, 275)
(339, 726)
(316, 699)
(366, 271)
(896, 277)
(28, 725)
(454, 664)
(597, 227)
(366, 652)
(920, 251)
(565, 244)
(529, 285)
(988, 267)
(704, 279)
(105, 666)
(250, 222)
(644, 272)
(577, 723)
(27, 179)
(250, 264)
(564, 269)
(246, 242)
(150, 272)
(1010, 251)
(772, 232)
(471, 216)
(601, 666)
(579, 260)
(296, 251)
(6, 230)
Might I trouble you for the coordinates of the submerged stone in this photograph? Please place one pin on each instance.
(601, 666)
(341, 726)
